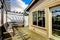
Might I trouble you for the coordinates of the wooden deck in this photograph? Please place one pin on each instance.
(22, 33)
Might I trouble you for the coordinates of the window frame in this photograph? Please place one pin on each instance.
(37, 19)
(51, 13)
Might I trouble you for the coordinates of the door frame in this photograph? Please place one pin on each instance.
(52, 36)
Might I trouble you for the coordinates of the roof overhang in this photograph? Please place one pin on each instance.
(30, 4)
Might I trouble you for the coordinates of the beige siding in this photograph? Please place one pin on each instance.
(47, 31)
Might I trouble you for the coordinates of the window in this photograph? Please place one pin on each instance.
(35, 18)
(55, 21)
(39, 18)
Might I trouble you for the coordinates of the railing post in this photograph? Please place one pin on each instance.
(2, 11)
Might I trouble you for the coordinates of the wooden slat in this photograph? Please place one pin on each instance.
(6, 32)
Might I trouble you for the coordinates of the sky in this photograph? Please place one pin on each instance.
(27, 1)
(19, 5)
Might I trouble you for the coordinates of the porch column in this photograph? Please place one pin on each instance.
(48, 22)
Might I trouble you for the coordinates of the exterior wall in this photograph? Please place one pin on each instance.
(36, 4)
(47, 31)
(26, 21)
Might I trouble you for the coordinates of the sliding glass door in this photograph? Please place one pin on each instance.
(56, 21)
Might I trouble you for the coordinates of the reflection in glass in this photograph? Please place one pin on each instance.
(56, 21)
(41, 18)
(35, 18)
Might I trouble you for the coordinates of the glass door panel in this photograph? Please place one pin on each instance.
(55, 21)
